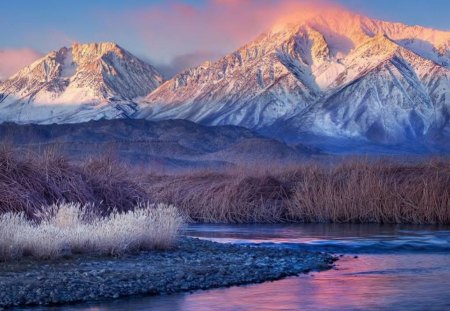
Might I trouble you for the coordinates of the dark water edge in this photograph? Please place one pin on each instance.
(397, 268)
(335, 238)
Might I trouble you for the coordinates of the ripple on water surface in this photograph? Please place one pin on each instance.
(398, 268)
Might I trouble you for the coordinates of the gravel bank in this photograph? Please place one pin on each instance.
(193, 264)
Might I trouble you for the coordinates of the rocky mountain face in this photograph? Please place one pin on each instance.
(83, 82)
(337, 74)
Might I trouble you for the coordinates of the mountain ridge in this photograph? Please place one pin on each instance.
(83, 82)
(291, 70)
(335, 73)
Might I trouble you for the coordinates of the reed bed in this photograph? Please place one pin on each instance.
(67, 229)
(351, 191)
(32, 180)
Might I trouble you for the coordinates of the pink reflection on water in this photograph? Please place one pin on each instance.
(360, 284)
(377, 280)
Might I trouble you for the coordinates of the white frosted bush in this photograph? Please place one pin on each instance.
(67, 229)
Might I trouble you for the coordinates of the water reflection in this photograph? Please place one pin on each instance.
(346, 238)
(360, 284)
(416, 277)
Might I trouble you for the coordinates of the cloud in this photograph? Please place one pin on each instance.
(184, 61)
(12, 60)
(173, 28)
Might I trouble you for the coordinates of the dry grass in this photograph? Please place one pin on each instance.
(67, 229)
(352, 191)
(29, 181)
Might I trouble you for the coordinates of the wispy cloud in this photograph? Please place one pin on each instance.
(177, 35)
(12, 60)
(174, 30)
(183, 61)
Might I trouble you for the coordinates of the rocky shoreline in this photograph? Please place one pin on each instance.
(192, 265)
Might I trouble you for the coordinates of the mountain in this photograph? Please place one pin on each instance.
(163, 144)
(331, 75)
(76, 84)
(335, 74)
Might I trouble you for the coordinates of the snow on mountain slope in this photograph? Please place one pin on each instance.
(258, 84)
(264, 81)
(83, 82)
(337, 74)
(400, 96)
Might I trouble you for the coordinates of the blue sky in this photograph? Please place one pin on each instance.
(138, 25)
(430, 13)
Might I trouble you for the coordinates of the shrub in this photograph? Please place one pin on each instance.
(29, 181)
(67, 229)
(352, 191)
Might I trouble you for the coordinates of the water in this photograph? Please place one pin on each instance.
(398, 268)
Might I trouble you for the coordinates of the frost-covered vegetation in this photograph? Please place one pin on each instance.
(68, 229)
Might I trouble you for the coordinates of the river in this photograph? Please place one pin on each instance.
(382, 268)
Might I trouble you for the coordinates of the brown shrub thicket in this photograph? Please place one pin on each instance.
(351, 191)
(31, 180)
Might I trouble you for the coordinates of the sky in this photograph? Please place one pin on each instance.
(171, 34)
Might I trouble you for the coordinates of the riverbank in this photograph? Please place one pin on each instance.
(350, 190)
(192, 265)
(347, 190)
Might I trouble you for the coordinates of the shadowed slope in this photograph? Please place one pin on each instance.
(163, 144)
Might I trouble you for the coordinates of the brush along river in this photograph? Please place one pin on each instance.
(193, 264)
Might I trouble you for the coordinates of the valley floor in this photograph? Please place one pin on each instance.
(345, 191)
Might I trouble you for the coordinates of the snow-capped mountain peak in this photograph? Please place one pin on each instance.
(82, 82)
(333, 72)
